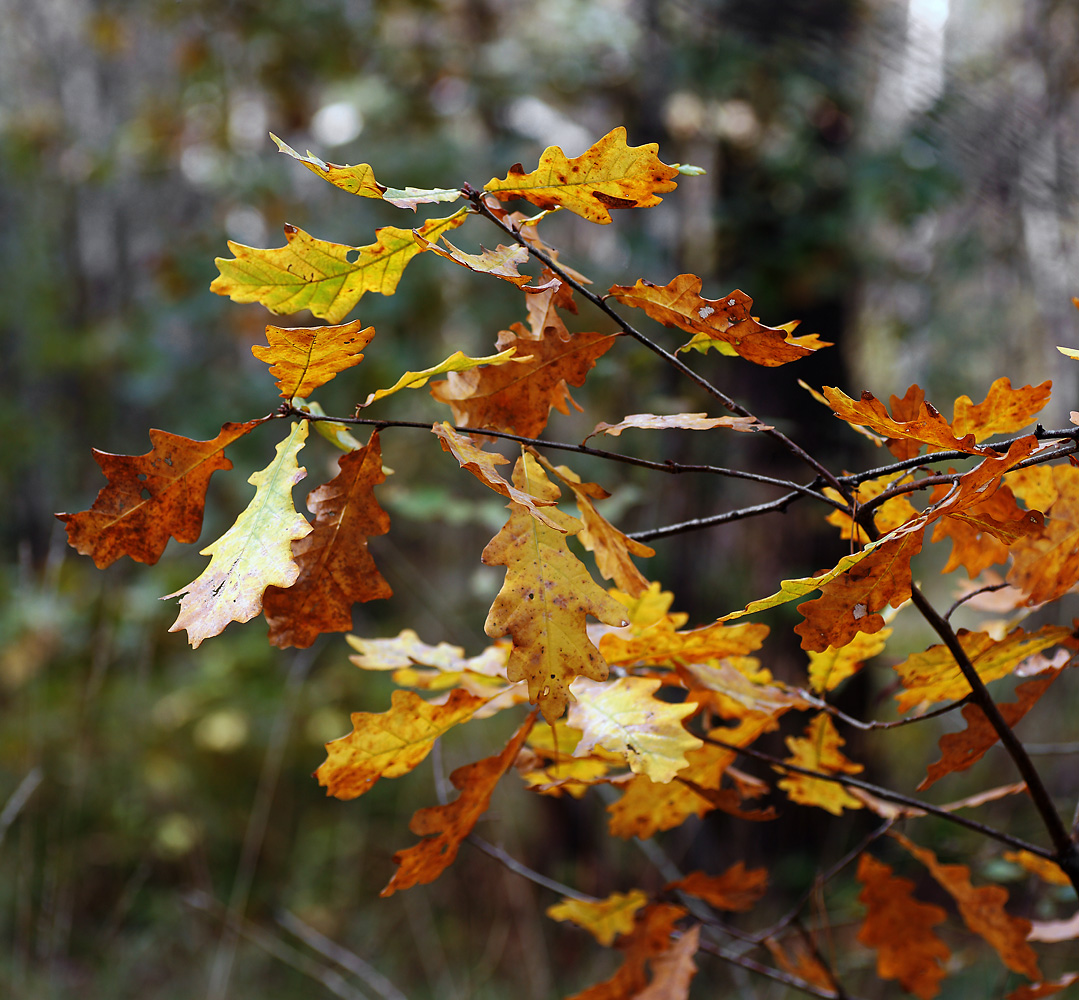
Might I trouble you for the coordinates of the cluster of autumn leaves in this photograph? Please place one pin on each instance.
(597, 683)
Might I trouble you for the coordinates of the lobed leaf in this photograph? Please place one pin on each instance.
(736, 890)
(306, 357)
(501, 262)
(819, 751)
(604, 919)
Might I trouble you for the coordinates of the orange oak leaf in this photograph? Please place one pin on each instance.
(611, 548)
(649, 940)
(604, 919)
(933, 675)
(726, 321)
(819, 751)
(1046, 565)
(445, 827)
(982, 911)
(255, 553)
(151, 498)
(327, 278)
(391, 743)
(336, 569)
(673, 971)
(482, 465)
(737, 889)
(546, 596)
(306, 357)
(899, 927)
(501, 262)
(962, 750)
(1037, 990)
(610, 174)
(681, 421)
(798, 957)
(1004, 410)
(518, 398)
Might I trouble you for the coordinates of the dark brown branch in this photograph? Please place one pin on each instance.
(960, 601)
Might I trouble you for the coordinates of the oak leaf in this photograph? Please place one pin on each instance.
(456, 362)
(899, 927)
(501, 262)
(830, 667)
(545, 598)
(736, 890)
(610, 174)
(1048, 871)
(736, 687)
(150, 498)
(255, 553)
(1035, 991)
(326, 278)
(681, 421)
(624, 717)
(673, 971)
(1046, 565)
(306, 357)
(391, 743)
(336, 568)
(982, 911)
(798, 957)
(962, 750)
(1004, 411)
(604, 919)
(445, 827)
(725, 322)
(819, 751)
(518, 398)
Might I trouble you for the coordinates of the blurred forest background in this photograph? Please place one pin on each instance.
(901, 175)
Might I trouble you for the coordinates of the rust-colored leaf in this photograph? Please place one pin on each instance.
(796, 957)
(150, 498)
(982, 911)
(724, 322)
(445, 827)
(518, 398)
(673, 971)
(610, 174)
(336, 569)
(819, 750)
(737, 889)
(306, 357)
(391, 743)
(545, 599)
(1046, 565)
(964, 749)
(1035, 991)
(899, 927)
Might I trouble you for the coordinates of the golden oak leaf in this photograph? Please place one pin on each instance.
(549, 767)
(735, 688)
(611, 548)
(899, 927)
(406, 650)
(649, 607)
(391, 743)
(1004, 410)
(982, 911)
(673, 971)
(546, 596)
(830, 667)
(336, 569)
(482, 465)
(819, 751)
(624, 717)
(604, 919)
(889, 515)
(255, 553)
(1046, 565)
(681, 421)
(327, 278)
(647, 806)
(918, 422)
(150, 498)
(360, 180)
(962, 750)
(722, 322)
(737, 889)
(445, 827)
(610, 174)
(933, 675)
(1046, 870)
(1037, 990)
(518, 398)
(660, 643)
(649, 940)
(456, 362)
(306, 357)
(501, 262)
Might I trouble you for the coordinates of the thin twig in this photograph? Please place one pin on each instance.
(960, 601)
(824, 706)
(18, 798)
(500, 855)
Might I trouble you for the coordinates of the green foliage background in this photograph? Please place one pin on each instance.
(933, 240)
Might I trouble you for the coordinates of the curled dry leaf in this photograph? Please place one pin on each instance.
(682, 421)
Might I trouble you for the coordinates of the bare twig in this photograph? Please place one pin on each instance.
(502, 856)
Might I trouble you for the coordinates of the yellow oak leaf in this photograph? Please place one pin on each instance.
(933, 675)
(623, 717)
(326, 278)
(1048, 871)
(545, 598)
(735, 688)
(456, 362)
(604, 919)
(306, 357)
(610, 174)
(828, 669)
(391, 743)
(255, 553)
(1045, 565)
(819, 750)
